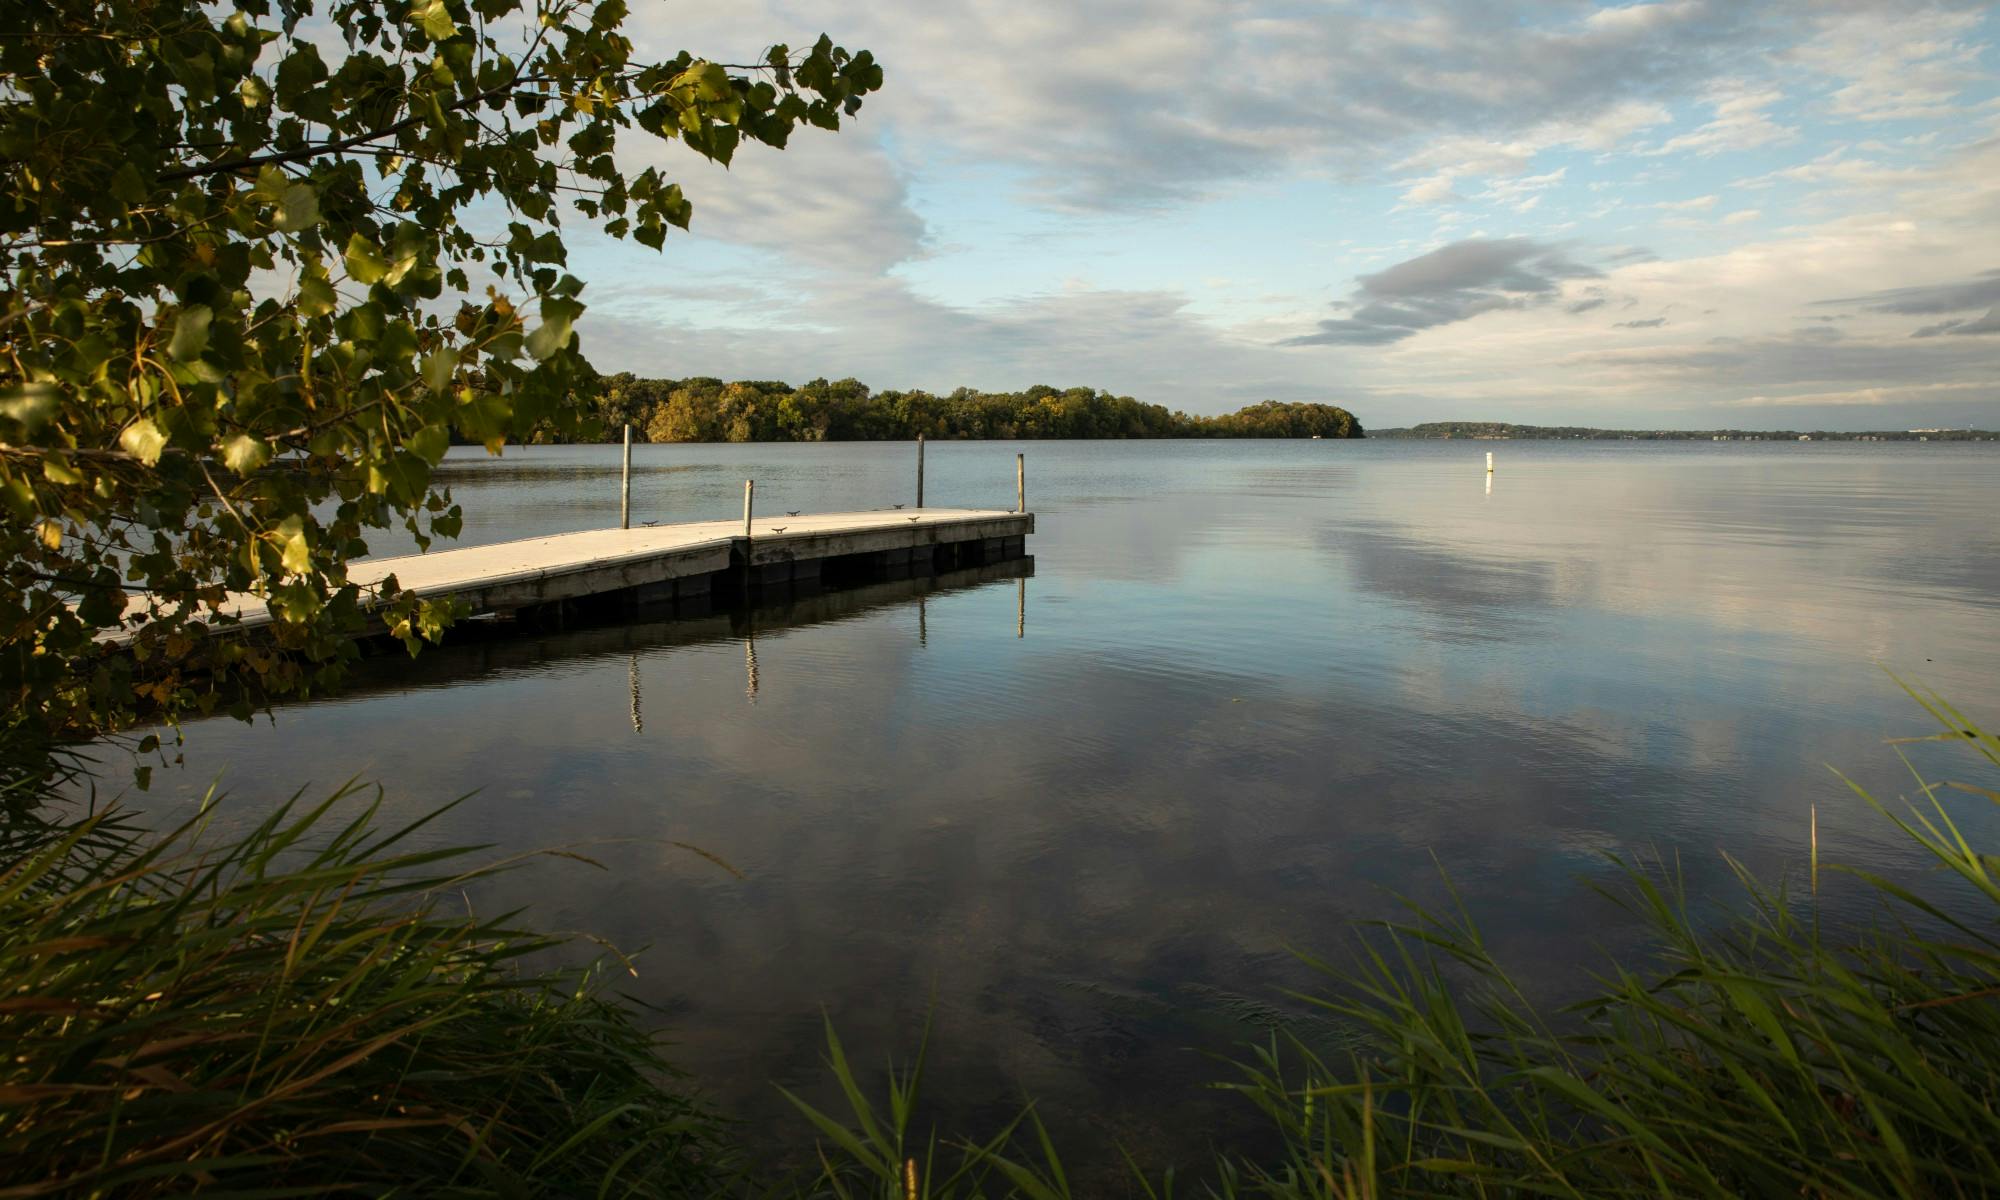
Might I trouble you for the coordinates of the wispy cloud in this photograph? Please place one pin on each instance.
(1450, 284)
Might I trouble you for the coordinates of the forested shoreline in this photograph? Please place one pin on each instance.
(1504, 430)
(704, 409)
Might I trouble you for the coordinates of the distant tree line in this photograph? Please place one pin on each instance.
(1502, 429)
(704, 409)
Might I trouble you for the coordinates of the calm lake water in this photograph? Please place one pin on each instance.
(1250, 690)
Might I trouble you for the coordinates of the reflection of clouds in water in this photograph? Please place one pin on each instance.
(1475, 598)
(1868, 559)
(905, 829)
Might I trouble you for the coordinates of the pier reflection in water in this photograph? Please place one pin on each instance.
(482, 650)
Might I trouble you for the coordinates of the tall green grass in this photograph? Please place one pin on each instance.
(308, 1010)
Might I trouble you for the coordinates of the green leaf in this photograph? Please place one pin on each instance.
(29, 404)
(244, 454)
(299, 70)
(299, 208)
(438, 369)
(430, 443)
(708, 81)
(364, 263)
(128, 185)
(190, 333)
(316, 294)
(143, 440)
(552, 335)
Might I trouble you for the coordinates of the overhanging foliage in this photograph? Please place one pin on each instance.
(261, 268)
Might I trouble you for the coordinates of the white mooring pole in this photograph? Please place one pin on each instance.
(1020, 483)
(749, 490)
(625, 484)
(1489, 462)
(920, 470)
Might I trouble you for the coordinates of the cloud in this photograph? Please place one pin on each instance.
(1778, 362)
(1837, 168)
(1648, 323)
(1524, 193)
(1898, 63)
(1697, 204)
(1454, 283)
(1432, 189)
(1978, 292)
(1740, 123)
(831, 201)
(1872, 397)
(1990, 323)
(1133, 103)
(1627, 254)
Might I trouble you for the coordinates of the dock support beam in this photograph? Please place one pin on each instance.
(920, 470)
(625, 484)
(1020, 483)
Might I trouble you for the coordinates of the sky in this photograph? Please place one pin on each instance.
(1691, 213)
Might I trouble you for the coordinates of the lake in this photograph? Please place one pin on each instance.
(1250, 692)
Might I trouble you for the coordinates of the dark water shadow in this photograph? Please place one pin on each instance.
(488, 648)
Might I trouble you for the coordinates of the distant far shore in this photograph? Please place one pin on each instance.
(1500, 431)
(706, 409)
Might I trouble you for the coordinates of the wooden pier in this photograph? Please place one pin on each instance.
(658, 563)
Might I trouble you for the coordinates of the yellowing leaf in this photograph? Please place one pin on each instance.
(143, 440)
(244, 454)
(295, 550)
(435, 17)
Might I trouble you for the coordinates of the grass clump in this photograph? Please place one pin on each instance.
(303, 1011)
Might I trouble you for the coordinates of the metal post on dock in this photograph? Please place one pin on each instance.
(1020, 483)
(1489, 462)
(920, 470)
(749, 490)
(625, 484)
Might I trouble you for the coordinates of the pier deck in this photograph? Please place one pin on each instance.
(666, 562)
